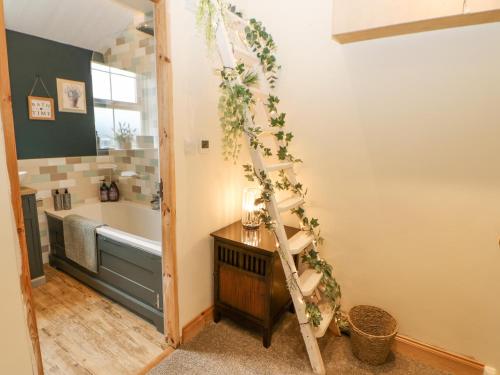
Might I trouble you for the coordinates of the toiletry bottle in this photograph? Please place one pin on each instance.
(104, 192)
(114, 193)
(66, 200)
(58, 203)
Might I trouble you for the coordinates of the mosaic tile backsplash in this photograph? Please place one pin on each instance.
(82, 177)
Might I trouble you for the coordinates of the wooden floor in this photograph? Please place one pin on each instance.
(82, 332)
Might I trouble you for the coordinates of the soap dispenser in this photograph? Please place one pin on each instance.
(104, 192)
(114, 193)
(66, 200)
(58, 200)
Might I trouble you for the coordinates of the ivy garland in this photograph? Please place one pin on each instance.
(236, 98)
(329, 286)
(312, 310)
(263, 45)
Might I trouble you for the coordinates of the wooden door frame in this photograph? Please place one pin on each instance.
(164, 76)
(167, 174)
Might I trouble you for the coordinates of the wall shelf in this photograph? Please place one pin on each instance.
(359, 20)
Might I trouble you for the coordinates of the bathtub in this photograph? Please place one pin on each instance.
(127, 222)
(128, 254)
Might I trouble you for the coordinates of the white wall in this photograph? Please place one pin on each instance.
(208, 188)
(401, 144)
(15, 347)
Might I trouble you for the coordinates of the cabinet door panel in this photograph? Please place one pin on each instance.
(242, 291)
(131, 270)
(32, 233)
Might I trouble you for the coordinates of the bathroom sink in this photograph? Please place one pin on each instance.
(23, 175)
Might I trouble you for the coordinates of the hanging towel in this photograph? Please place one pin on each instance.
(80, 241)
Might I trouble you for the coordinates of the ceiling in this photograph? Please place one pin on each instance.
(87, 24)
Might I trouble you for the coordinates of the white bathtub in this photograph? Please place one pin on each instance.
(130, 223)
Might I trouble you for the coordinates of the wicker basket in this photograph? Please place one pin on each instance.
(372, 333)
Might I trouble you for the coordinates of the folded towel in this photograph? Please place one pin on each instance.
(80, 241)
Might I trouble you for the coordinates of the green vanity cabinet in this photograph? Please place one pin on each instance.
(33, 237)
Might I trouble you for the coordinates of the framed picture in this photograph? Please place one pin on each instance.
(40, 108)
(71, 96)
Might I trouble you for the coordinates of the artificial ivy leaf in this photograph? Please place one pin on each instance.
(282, 153)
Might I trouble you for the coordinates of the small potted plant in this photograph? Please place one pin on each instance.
(124, 135)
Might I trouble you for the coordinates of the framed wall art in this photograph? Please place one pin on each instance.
(71, 96)
(41, 108)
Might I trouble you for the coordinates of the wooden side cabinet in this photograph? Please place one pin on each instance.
(32, 230)
(249, 282)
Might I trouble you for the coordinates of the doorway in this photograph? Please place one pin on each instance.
(166, 172)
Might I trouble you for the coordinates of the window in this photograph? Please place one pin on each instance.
(115, 101)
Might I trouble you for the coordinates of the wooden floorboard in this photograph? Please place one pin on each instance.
(82, 332)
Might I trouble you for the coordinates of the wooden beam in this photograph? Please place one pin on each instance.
(11, 156)
(167, 170)
(419, 26)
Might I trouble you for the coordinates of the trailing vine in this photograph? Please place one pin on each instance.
(263, 45)
(236, 101)
(206, 19)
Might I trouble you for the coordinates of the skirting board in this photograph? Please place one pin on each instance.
(430, 355)
(437, 357)
(35, 283)
(195, 326)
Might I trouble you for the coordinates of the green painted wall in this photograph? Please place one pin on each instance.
(71, 134)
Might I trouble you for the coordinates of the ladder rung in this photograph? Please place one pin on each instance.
(278, 166)
(309, 281)
(267, 130)
(327, 313)
(299, 242)
(290, 204)
(246, 55)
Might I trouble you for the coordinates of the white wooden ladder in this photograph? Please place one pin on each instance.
(306, 281)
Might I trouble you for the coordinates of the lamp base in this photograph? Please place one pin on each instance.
(250, 226)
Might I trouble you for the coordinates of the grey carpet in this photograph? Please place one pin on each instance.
(225, 348)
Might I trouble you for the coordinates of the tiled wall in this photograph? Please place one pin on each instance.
(134, 51)
(145, 164)
(83, 175)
